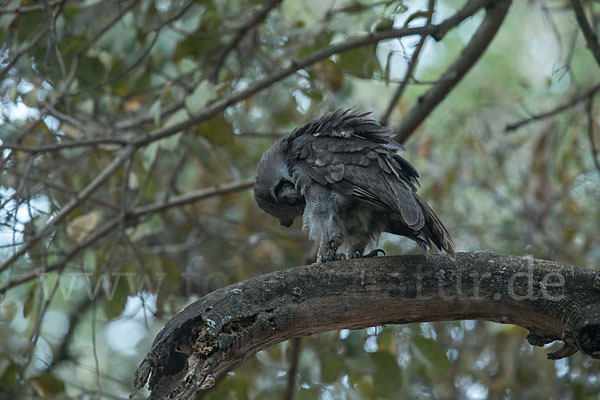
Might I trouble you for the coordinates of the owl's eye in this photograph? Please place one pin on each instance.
(289, 200)
(283, 189)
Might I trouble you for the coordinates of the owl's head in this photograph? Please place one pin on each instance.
(274, 189)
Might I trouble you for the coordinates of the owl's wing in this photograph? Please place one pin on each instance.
(356, 156)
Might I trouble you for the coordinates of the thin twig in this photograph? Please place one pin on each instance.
(27, 9)
(90, 239)
(65, 145)
(51, 28)
(293, 371)
(24, 50)
(349, 44)
(592, 133)
(59, 97)
(220, 105)
(412, 64)
(71, 205)
(126, 71)
(591, 38)
(190, 197)
(259, 135)
(241, 32)
(174, 18)
(109, 226)
(59, 188)
(467, 11)
(108, 26)
(78, 311)
(557, 110)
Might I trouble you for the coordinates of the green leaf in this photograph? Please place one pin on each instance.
(31, 98)
(429, 353)
(9, 375)
(196, 48)
(198, 147)
(47, 385)
(148, 227)
(361, 62)
(122, 285)
(72, 44)
(164, 278)
(29, 26)
(202, 94)
(154, 111)
(91, 70)
(331, 366)
(30, 300)
(172, 273)
(387, 377)
(216, 130)
(330, 74)
(176, 118)
(306, 394)
(384, 25)
(321, 41)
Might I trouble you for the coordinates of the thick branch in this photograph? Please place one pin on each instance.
(468, 57)
(591, 39)
(216, 333)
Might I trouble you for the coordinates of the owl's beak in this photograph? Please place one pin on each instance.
(286, 222)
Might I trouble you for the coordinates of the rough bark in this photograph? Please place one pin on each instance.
(216, 333)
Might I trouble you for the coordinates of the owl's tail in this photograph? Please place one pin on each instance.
(434, 230)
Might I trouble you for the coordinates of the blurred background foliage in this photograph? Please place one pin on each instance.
(75, 94)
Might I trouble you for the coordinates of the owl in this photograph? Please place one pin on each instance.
(343, 173)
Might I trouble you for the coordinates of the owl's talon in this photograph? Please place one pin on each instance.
(375, 253)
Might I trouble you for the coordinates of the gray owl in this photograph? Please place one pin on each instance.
(343, 174)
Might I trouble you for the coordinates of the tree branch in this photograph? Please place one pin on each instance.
(51, 28)
(24, 50)
(436, 31)
(66, 145)
(290, 389)
(217, 332)
(27, 9)
(126, 216)
(349, 44)
(239, 35)
(90, 239)
(592, 133)
(563, 107)
(591, 38)
(220, 105)
(108, 26)
(480, 41)
(190, 197)
(71, 205)
(412, 64)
